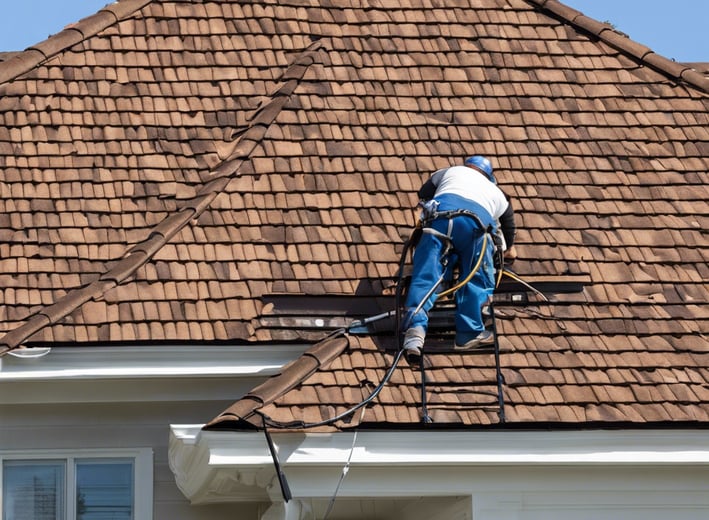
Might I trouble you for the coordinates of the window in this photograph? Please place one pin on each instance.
(104, 489)
(94, 485)
(33, 490)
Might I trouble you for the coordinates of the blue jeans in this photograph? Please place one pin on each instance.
(466, 245)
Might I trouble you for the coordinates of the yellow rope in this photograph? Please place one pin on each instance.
(518, 279)
(499, 276)
(472, 273)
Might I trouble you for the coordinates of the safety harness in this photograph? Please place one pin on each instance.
(430, 213)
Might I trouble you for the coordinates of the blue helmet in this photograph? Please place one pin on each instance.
(482, 164)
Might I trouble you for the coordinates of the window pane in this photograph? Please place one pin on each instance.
(104, 490)
(33, 490)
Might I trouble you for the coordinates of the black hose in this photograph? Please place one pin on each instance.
(303, 425)
(397, 320)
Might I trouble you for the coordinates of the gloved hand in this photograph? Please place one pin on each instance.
(428, 208)
(510, 255)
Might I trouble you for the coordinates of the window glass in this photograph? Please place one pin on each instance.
(104, 489)
(33, 490)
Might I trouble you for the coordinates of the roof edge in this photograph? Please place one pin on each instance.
(147, 361)
(213, 466)
(241, 415)
(72, 34)
(605, 32)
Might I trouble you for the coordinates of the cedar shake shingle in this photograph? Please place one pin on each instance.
(166, 167)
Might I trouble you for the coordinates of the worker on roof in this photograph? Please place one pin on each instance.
(460, 205)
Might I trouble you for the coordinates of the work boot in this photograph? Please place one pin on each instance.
(483, 339)
(487, 316)
(413, 344)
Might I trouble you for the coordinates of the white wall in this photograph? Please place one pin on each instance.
(126, 397)
(80, 413)
(549, 493)
(70, 426)
(595, 493)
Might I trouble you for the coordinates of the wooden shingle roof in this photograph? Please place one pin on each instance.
(246, 172)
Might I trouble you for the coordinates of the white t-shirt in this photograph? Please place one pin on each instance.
(472, 185)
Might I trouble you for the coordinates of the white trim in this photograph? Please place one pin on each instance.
(139, 390)
(143, 469)
(149, 362)
(212, 466)
(131, 373)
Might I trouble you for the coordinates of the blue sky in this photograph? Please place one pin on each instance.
(674, 28)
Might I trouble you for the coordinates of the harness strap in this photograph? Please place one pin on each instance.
(431, 214)
(436, 233)
(457, 213)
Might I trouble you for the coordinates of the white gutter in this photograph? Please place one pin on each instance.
(149, 362)
(136, 373)
(213, 466)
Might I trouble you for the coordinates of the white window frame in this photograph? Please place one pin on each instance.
(142, 464)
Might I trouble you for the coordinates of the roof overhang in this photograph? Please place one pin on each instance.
(132, 372)
(103, 362)
(217, 466)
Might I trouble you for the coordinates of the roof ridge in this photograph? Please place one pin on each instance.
(36, 54)
(609, 35)
(215, 181)
(243, 413)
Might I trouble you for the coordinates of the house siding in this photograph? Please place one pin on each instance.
(77, 426)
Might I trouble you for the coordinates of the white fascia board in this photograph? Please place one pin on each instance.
(212, 466)
(135, 362)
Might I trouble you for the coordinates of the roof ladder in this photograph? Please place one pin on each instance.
(498, 382)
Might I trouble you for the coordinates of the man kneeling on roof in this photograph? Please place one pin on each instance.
(460, 205)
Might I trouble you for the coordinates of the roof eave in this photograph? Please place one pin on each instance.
(215, 466)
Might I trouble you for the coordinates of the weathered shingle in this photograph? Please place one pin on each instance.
(164, 174)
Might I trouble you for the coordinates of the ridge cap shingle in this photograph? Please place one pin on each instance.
(242, 413)
(36, 54)
(606, 33)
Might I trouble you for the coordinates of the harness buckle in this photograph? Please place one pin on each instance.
(429, 210)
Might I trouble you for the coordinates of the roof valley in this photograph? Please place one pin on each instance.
(215, 181)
